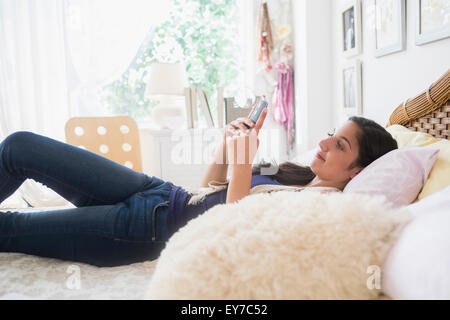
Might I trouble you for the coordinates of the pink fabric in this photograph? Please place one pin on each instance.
(282, 109)
(398, 175)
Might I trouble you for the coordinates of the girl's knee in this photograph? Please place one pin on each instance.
(16, 143)
(18, 137)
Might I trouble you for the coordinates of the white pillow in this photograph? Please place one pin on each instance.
(418, 265)
(433, 203)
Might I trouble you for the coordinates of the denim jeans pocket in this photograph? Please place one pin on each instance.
(159, 221)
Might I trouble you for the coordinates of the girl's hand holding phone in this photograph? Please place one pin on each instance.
(241, 142)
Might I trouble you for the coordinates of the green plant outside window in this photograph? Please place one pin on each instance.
(203, 34)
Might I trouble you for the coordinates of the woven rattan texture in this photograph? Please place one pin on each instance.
(436, 123)
(427, 112)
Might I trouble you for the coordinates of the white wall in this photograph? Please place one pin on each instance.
(388, 80)
(313, 64)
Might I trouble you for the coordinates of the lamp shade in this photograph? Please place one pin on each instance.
(166, 79)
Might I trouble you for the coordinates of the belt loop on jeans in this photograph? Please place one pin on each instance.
(166, 203)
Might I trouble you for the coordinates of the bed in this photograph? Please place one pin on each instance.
(31, 277)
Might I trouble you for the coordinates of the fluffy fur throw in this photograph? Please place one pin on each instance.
(282, 245)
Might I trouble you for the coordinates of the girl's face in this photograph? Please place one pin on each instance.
(336, 154)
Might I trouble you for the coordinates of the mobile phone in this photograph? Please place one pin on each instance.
(257, 112)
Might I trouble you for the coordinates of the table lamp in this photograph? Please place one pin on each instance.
(166, 83)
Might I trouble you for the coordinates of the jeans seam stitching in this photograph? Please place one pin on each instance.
(87, 232)
(67, 185)
(103, 235)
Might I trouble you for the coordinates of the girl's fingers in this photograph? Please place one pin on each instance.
(239, 125)
(246, 121)
(249, 123)
(253, 109)
(260, 121)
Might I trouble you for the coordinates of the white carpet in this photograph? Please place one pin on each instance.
(31, 277)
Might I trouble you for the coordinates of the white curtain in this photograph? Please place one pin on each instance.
(102, 37)
(55, 55)
(33, 79)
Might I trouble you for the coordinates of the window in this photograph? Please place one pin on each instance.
(204, 34)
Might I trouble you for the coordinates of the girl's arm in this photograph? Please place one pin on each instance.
(241, 151)
(239, 186)
(218, 168)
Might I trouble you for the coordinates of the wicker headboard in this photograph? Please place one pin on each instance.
(427, 112)
(436, 123)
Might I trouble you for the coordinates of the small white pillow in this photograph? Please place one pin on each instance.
(399, 175)
(418, 265)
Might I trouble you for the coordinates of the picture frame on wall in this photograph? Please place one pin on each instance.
(390, 26)
(351, 29)
(432, 20)
(352, 87)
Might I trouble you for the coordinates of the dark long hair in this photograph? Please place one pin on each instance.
(374, 141)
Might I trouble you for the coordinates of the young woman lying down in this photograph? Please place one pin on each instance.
(123, 216)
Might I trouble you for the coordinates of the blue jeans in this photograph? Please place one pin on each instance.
(120, 215)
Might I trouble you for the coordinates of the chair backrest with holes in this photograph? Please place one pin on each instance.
(115, 138)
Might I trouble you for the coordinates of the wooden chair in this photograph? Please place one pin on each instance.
(115, 138)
